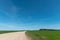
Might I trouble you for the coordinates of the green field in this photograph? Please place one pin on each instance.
(44, 35)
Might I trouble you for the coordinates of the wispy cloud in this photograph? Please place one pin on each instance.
(9, 26)
(6, 26)
(9, 8)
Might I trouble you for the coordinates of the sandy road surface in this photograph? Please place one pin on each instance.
(14, 36)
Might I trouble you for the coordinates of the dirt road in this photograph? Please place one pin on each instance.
(14, 36)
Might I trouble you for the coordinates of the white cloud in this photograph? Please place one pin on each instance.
(4, 26)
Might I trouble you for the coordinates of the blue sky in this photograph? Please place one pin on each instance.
(29, 14)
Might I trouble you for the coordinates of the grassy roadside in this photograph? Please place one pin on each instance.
(33, 35)
(9, 31)
(44, 35)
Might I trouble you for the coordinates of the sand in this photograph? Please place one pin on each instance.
(14, 36)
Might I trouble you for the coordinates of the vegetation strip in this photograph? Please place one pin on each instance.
(8, 31)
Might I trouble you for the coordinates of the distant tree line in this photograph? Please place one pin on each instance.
(49, 30)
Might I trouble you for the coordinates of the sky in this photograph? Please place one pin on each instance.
(29, 14)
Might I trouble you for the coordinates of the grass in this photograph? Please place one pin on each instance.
(44, 35)
(8, 31)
